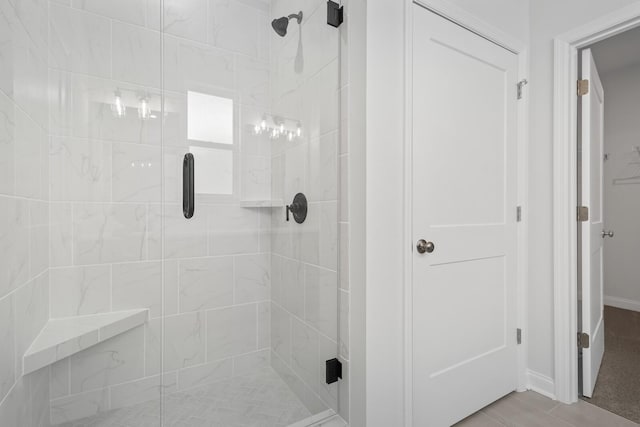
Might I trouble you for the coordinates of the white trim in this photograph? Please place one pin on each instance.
(541, 384)
(461, 17)
(624, 303)
(565, 189)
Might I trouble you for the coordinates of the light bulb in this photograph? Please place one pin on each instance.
(299, 131)
(118, 108)
(263, 124)
(281, 127)
(256, 129)
(290, 136)
(144, 110)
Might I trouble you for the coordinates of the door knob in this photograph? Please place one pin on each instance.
(424, 246)
(607, 233)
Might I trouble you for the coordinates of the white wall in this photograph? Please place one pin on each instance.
(549, 18)
(384, 193)
(622, 202)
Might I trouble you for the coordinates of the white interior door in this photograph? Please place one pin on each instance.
(592, 256)
(464, 202)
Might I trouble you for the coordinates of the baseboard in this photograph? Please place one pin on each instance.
(541, 384)
(626, 304)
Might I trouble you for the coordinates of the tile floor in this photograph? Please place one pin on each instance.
(257, 400)
(529, 409)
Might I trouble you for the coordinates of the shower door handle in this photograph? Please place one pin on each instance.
(188, 193)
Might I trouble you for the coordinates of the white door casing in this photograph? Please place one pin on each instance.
(591, 253)
(464, 201)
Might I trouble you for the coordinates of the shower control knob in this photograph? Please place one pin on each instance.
(423, 246)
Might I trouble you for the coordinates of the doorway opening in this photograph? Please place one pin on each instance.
(608, 237)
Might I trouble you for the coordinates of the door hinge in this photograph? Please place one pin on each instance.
(333, 370)
(520, 85)
(583, 213)
(583, 340)
(583, 87)
(519, 336)
(519, 213)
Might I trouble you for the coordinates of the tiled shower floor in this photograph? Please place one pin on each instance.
(257, 400)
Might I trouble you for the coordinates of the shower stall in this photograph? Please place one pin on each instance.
(156, 269)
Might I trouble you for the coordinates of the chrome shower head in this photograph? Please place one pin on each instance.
(280, 25)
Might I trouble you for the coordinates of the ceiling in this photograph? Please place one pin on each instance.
(617, 52)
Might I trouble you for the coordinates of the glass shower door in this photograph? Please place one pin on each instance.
(250, 297)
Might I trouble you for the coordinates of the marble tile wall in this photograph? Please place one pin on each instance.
(119, 239)
(310, 297)
(24, 208)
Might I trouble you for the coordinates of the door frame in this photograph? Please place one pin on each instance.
(565, 176)
(461, 17)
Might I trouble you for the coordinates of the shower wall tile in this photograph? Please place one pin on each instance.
(281, 333)
(30, 153)
(153, 347)
(105, 233)
(205, 283)
(7, 143)
(81, 106)
(138, 285)
(137, 56)
(321, 300)
(186, 18)
(131, 11)
(70, 408)
(140, 391)
(114, 361)
(205, 374)
(137, 173)
(231, 331)
(171, 287)
(293, 286)
(77, 291)
(61, 236)
(80, 41)
(32, 312)
(80, 169)
(343, 268)
(304, 351)
(233, 230)
(343, 323)
(323, 168)
(7, 355)
(252, 278)
(193, 66)
(184, 342)
(183, 238)
(38, 237)
(240, 27)
(253, 81)
(264, 324)
(14, 243)
(328, 239)
(59, 385)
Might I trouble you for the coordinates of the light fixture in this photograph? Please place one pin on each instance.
(117, 108)
(144, 110)
(276, 127)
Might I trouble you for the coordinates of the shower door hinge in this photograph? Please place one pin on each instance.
(519, 336)
(519, 214)
(583, 87)
(333, 370)
(520, 85)
(335, 14)
(583, 340)
(583, 213)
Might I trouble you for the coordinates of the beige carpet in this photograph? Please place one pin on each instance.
(618, 386)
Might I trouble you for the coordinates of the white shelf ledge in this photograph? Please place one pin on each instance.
(261, 203)
(63, 337)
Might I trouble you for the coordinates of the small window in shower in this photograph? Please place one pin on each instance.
(210, 131)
